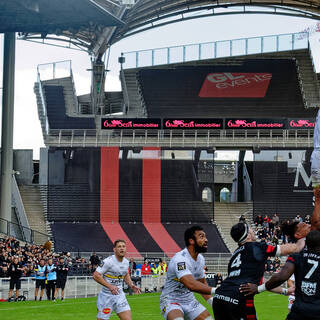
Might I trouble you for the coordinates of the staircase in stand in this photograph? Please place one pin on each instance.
(227, 214)
(31, 198)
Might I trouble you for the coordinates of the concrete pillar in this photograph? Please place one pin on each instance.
(7, 127)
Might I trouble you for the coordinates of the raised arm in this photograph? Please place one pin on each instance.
(289, 248)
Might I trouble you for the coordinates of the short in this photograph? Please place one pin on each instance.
(300, 316)
(61, 283)
(291, 301)
(40, 283)
(107, 303)
(237, 310)
(15, 283)
(191, 309)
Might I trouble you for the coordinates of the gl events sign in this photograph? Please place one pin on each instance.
(235, 85)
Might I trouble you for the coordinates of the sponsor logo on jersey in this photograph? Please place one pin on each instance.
(106, 310)
(181, 266)
(309, 288)
(235, 85)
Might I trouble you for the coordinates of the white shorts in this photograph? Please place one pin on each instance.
(315, 167)
(191, 309)
(291, 301)
(107, 303)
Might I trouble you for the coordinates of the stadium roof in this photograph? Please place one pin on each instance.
(100, 21)
(76, 19)
(147, 14)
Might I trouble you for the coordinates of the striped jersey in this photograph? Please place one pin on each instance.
(180, 265)
(113, 271)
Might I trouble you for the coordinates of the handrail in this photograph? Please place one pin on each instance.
(9, 232)
(21, 213)
(216, 49)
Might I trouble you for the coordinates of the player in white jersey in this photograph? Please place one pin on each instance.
(185, 275)
(111, 274)
(315, 157)
(291, 298)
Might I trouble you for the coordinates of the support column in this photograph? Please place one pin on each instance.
(7, 127)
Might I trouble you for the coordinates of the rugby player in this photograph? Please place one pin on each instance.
(291, 298)
(305, 267)
(111, 274)
(247, 264)
(185, 275)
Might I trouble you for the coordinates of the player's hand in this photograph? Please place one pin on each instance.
(136, 289)
(291, 290)
(114, 290)
(248, 289)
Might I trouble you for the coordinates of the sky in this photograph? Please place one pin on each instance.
(27, 130)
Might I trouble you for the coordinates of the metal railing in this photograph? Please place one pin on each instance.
(53, 70)
(217, 49)
(19, 231)
(76, 287)
(181, 138)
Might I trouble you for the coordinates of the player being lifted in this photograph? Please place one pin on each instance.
(247, 264)
(305, 267)
(185, 275)
(111, 274)
(298, 230)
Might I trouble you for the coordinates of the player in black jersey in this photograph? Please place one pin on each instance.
(306, 268)
(246, 265)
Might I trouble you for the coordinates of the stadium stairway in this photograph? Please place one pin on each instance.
(308, 79)
(135, 97)
(31, 199)
(227, 214)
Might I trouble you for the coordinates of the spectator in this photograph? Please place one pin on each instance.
(132, 267)
(14, 272)
(162, 267)
(154, 269)
(145, 268)
(307, 219)
(298, 218)
(258, 220)
(40, 279)
(219, 279)
(94, 261)
(51, 280)
(242, 218)
(266, 222)
(275, 220)
(62, 272)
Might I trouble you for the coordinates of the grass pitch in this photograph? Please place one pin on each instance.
(146, 306)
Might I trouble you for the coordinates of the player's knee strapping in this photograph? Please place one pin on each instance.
(180, 318)
(208, 318)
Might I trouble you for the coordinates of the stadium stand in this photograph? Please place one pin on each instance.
(56, 111)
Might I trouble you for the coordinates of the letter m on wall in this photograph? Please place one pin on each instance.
(302, 172)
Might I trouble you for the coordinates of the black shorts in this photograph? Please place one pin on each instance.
(298, 316)
(40, 283)
(223, 309)
(61, 283)
(15, 283)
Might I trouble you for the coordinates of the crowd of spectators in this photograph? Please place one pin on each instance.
(29, 256)
(269, 229)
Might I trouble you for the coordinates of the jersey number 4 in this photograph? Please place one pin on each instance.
(236, 263)
(314, 267)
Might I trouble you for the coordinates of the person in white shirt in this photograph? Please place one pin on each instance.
(111, 274)
(185, 275)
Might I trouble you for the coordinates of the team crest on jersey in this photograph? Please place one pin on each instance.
(101, 264)
(106, 310)
(309, 288)
(181, 266)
